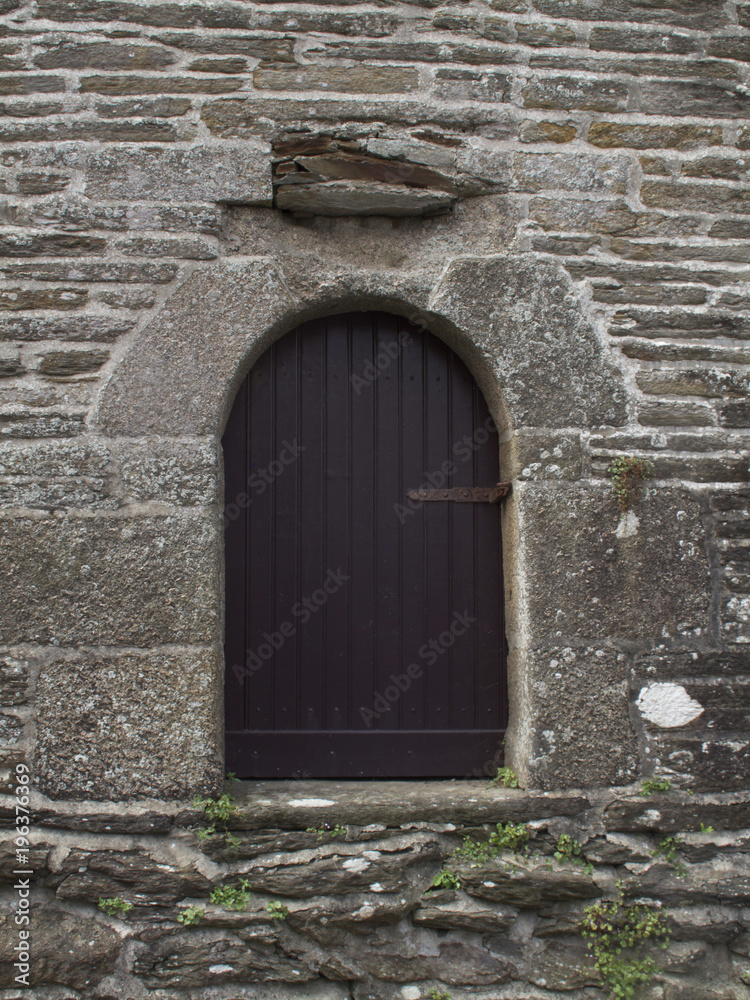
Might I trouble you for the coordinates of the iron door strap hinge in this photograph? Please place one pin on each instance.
(464, 494)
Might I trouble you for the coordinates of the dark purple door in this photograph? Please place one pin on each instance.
(364, 633)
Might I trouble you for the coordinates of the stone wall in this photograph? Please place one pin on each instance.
(559, 189)
(350, 869)
(591, 161)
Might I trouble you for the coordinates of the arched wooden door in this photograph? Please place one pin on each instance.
(364, 631)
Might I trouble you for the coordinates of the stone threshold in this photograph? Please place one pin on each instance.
(301, 804)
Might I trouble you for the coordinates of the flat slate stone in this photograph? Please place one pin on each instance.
(297, 805)
(361, 198)
(512, 881)
(670, 813)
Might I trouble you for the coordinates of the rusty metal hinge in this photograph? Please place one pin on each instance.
(464, 494)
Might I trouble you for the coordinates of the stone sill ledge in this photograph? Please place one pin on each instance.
(297, 805)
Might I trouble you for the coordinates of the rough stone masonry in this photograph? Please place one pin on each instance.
(559, 189)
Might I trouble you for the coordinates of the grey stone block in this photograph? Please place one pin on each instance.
(548, 361)
(128, 725)
(213, 172)
(184, 473)
(649, 584)
(141, 581)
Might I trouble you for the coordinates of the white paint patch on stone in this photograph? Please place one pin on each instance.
(376, 887)
(668, 705)
(628, 526)
(314, 803)
(411, 992)
(356, 865)
(217, 969)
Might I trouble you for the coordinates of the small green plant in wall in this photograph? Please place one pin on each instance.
(190, 916)
(277, 910)
(617, 935)
(446, 880)
(506, 837)
(570, 850)
(627, 475)
(506, 777)
(667, 849)
(326, 830)
(231, 897)
(115, 907)
(652, 786)
(436, 994)
(219, 812)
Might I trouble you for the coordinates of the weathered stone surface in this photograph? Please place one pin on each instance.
(724, 881)
(332, 921)
(468, 85)
(335, 869)
(268, 804)
(578, 740)
(21, 422)
(28, 84)
(136, 580)
(678, 666)
(361, 198)
(714, 924)
(93, 742)
(54, 245)
(736, 414)
(265, 117)
(157, 107)
(230, 64)
(448, 910)
(269, 49)
(186, 247)
(455, 963)
(102, 55)
(132, 875)
(184, 473)
(102, 328)
(69, 363)
(696, 99)
(126, 84)
(614, 218)
(586, 580)
(37, 855)
(630, 39)
(720, 761)
(514, 881)
(17, 298)
(89, 493)
(699, 14)
(673, 813)
(469, 291)
(87, 131)
(565, 171)
(709, 382)
(568, 94)
(700, 197)
(14, 679)
(563, 965)
(186, 959)
(68, 951)
(548, 132)
(658, 414)
(612, 134)
(229, 172)
(344, 79)
(251, 298)
(134, 821)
